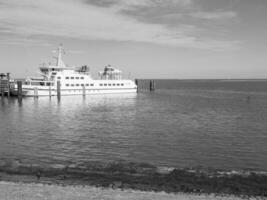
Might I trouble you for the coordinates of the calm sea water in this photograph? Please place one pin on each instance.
(220, 124)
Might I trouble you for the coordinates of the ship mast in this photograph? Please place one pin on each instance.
(61, 51)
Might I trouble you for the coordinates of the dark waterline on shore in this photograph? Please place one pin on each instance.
(182, 124)
(140, 176)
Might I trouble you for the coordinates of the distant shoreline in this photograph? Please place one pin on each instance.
(208, 79)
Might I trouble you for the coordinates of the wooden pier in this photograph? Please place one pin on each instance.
(145, 84)
(5, 84)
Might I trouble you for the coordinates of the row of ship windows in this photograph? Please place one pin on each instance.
(118, 84)
(81, 90)
(71, 77)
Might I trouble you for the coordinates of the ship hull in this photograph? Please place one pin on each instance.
(32, 92)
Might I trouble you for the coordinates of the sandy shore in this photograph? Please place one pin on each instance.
(34, 191)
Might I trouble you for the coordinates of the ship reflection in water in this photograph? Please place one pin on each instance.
(176, 128)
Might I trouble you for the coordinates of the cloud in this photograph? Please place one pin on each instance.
(132, 3)
(214, 15)
(77, 19)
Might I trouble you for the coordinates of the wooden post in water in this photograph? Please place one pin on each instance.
(19, 85)
(8, 84)
(58, 90)
(2, 91)
(152, 85)
(84, 92)
(35, 92)
(136, 83)
(1, 88)
(50, 94)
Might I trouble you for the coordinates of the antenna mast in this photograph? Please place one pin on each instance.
(59, 58)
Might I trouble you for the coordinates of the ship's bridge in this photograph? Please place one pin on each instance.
(110, 73)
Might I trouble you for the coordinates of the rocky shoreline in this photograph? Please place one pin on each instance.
(139, 176)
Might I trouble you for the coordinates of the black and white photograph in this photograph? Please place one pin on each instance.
(133, 99)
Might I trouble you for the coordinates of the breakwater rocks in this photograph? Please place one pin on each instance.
(142, 176)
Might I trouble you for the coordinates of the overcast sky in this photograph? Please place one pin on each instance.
(144, 38)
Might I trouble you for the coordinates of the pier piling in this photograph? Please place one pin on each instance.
(58, 89)
(2, 88)
(136, 83)
(84, 92)
(50, 93)
(152, 85)
(8, 84)
(2, 93)
(19, 84)
(35, 92)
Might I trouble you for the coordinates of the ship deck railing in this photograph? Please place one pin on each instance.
(38, 83)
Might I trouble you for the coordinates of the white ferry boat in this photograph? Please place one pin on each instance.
(75, 81)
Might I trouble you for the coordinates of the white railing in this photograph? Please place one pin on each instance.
(39, 83)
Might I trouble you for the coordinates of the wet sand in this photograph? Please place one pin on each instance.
(33, 191)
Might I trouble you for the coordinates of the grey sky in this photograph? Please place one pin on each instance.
(149, 38)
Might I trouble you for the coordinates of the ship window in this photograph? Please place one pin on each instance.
(101, 84)
(122, 84)
(77, 77)
(114, 84)
(118, 84)
(109, 84)
(49, 84)
(82, 77)
(67, 84)
(72, 84)
(87, 84)
(67, 77)
(59, 77)
(82, 84)
(72, 77)
(91, 84)
(105, 84)
(54, 73)
(77, 84)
